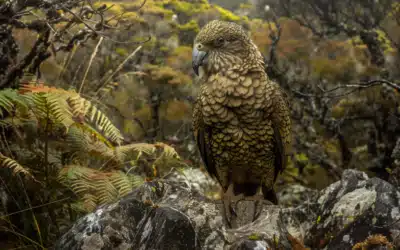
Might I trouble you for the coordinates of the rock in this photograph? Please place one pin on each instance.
(198, 180)
(295, 194)
(396, 150)
(133, 223)
(352, 209)
(174, 214)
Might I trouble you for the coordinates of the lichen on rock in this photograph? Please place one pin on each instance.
(174, 213)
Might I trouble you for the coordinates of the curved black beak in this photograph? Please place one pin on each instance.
(198, 59)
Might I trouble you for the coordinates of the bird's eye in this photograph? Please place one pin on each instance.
(219, 42)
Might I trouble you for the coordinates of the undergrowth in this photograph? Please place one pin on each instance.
(67, 157)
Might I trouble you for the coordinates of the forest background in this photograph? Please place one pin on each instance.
(96, 97)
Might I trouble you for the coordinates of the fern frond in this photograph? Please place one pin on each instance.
(168, 150)
(12, 102)
(164, 164)
(12, 122)
(168, 159)
(82, 186)
(79, 207)
(87, 204)
(59, 109)
(106, 191)
(84, 141)
(124, 183)
(88, 183)
(15, 106)
(104, 125)
(77, 140)
(68, 107)
(69, 174)
(49, 103)
(14, 165)
(50, 107)
(78, 179)
(15, 97)
(5, 101)
(94, 134)
(80, 107)
(127, 152)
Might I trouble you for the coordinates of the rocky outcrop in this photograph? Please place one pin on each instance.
(174, 214)
(352, 209)
(295, 194)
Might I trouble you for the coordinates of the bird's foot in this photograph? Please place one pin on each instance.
(227, 198)
(259, 202)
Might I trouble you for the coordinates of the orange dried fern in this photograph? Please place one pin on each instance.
(373, 241)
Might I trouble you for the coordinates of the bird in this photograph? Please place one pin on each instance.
(241, 118)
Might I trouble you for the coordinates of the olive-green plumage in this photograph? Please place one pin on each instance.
(241, 119)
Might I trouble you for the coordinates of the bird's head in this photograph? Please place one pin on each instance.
(220, 45)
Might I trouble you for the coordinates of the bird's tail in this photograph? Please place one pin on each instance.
(250, 189)
(270, 195)
(247, 188)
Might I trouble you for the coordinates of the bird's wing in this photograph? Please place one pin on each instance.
(280, 155)
(282, 129)
(202, 134)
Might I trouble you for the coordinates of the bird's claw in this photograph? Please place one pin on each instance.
(259, 201)
(258, 209)
(229, 210)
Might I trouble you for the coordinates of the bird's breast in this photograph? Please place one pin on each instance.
(237, 107)
(244, 142)
(233, 111)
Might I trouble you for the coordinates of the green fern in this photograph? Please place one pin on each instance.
(168, 151)
(6, 103)
(10, 101)
(106, 190)
(88, 183)
(14, 165)
(68, 108)
(48, 105)
(124, 182)
(133, 151)
(88, 137)
(77, 140)
(81, 107)
(52, 107)
(87, 203)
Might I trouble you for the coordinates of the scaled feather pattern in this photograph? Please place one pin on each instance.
(241, 119)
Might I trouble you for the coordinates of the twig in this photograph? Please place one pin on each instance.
(22, 236)
(101, 33)
(117, 69)
(28, 200)
(77, 71)
(90, 63)
(355, 86)
(34, 207)
(67, 61)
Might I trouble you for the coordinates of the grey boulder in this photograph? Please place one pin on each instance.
(173, 213)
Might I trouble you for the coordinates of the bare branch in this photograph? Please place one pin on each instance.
(355, 87)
